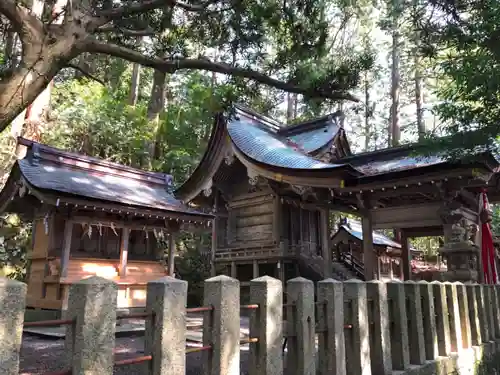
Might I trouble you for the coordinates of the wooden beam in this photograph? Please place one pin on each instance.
(124, 242)
(68, 235)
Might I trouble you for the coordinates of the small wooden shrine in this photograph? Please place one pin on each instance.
(347, 244)
(272, 187)
(92, 217)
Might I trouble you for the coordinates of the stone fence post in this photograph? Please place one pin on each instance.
(331, 326)
(91, 339)
(221, 328)
(165, 336)
(456, 343)
(482, 313)
(429, 321)
(415, 326)
(379, 326)
(12, 305)
(463, 307)
(301, 322)
(266, 324)
(399, 325)
(496, 307)
(474, 319)
(442, 318)
(357, 335)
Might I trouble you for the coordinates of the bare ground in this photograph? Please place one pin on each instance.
(39, 356)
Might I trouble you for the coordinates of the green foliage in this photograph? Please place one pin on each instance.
(464, 41)
(15, 241)
(193, 266)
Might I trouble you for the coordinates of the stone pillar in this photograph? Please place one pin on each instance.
(266, 324)
(442, 321)
(399, 331)
(378, 309)
(488, 294)
(331, 322)
(456, 343)
(463, 307)
(91, 340)
(165, 337)
(495, 297)
(12, 302)
(482, 313)
(415, 323)
(429, 321)
(358, 339)
(221, 328)
(472, 301)
(301, 322)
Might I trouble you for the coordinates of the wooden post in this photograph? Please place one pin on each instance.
(171, 254)
(325, 243)
(68, 233)
(405, 255)
(255, 266)
(277, 219)
(368, 254)
(122, 269)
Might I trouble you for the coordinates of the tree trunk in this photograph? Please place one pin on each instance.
(134, 84)
(418, 73)
(395, 131)
(367, 114)
(290, 99)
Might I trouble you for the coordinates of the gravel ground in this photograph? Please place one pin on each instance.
(39, 356)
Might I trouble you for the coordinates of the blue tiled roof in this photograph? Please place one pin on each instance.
(315, 139)
(106, 187)
(398, 163)
(264, 145)
(355, 229)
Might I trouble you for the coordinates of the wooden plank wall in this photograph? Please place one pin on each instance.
(251, 217)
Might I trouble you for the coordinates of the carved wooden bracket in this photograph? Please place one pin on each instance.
(229, 157)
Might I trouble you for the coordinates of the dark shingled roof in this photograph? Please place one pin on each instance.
(52, 170)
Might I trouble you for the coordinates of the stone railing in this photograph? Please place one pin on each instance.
(362, 328)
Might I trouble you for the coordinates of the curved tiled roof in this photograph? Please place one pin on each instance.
(266, 146)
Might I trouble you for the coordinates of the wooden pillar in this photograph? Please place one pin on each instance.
(379, 271)
(325, 243)
(255, 269)
(214, 247)
(171, 254)
(281, 270)
(233, 270)
(368, 253)
(277, 218)
(405, 256)
(122, 269)
(391, 270)
(68, 234)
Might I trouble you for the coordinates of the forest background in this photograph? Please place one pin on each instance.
(419, 69)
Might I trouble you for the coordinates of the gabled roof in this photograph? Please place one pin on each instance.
(68, 175)
(355, 229)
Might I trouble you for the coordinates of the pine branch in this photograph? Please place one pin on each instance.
(172, 66)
